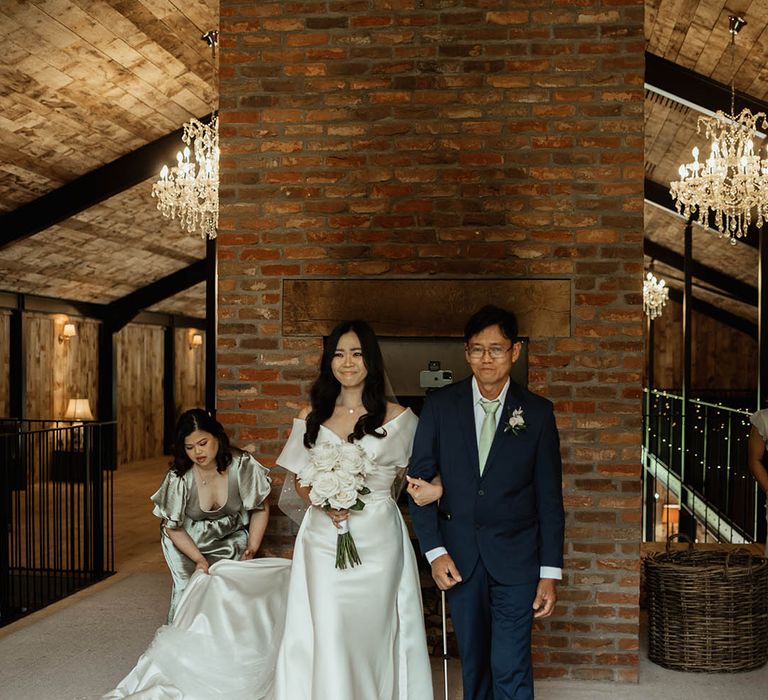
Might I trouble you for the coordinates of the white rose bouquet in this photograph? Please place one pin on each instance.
(336, 475)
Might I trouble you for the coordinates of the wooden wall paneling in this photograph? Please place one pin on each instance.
(5, 359)
(723, 358)
(139, 350)
(668, 350)
(712, 342)
(189, 379)
(75, 366)
(41, 348)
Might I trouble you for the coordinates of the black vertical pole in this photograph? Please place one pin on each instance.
(17, 365)
(169, 376)
(687, 520)
(13, 469)
(107, 457)
(648, 480)
(762, 337)
(107, 373)
(108, 390)
(211, 324)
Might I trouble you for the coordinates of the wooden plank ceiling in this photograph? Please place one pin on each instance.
(83, 83)
(694, 34)
(87, 81)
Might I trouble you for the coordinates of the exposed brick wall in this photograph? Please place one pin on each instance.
(450, 138)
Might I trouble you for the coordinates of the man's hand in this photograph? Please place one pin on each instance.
(445, 573)
(546, 597)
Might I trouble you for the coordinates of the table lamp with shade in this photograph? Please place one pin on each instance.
(77, 411)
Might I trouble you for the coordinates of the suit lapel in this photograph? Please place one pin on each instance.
(465, 414)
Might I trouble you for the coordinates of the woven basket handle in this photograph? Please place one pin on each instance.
(681, 537)
(741, 550)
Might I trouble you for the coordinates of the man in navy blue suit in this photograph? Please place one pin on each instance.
(495, 539)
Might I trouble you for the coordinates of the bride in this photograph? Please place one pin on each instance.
(351, 634)
(358, 632)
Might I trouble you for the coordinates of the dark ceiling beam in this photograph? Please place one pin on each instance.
(90, 189)
(736, 289)
(659, 195)
(121, 311)
(713, 312)
(31, 302)
(686, 86)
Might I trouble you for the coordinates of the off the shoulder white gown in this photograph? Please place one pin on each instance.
(356, 633)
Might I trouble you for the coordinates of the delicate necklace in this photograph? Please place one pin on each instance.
(356, 408)
(201, 475)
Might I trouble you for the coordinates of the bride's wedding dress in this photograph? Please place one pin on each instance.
(222, 642)
(357, 633)
(316, 631)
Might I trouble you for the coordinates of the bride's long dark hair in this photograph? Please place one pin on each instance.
(326, 388)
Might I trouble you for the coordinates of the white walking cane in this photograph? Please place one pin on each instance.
(445, 645)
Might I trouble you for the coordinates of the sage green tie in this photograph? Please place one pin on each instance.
(487, 430)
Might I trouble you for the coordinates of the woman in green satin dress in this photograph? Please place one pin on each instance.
(212, 502)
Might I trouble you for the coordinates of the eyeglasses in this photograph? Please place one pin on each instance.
(495, 352)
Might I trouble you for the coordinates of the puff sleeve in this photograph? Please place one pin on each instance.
(171, 500)
(760, 421)
(295, 457)
(252, 481)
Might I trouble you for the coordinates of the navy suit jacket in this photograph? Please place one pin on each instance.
(512, 516)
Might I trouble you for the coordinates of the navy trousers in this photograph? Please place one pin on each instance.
(493, 625)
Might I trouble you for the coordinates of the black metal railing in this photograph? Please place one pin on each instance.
(697, 479)
(56, 510)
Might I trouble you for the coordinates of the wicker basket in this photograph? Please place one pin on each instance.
(707, 610)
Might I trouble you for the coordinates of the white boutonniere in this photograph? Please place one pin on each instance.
(515, 421)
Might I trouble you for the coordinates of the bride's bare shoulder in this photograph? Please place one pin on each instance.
(304, 412)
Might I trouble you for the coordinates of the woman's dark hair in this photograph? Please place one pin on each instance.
(489, 316)
(326, 388)
(188, 423)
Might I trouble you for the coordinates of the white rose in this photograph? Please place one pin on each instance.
(308, 475)
(324, 457)
(345, 498)
(347, 482)
(324, 487)
(357, 461)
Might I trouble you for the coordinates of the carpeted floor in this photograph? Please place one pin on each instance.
(82, 647)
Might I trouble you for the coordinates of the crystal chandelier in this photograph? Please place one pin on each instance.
(733, 181)
(190, 189)
(655, 295)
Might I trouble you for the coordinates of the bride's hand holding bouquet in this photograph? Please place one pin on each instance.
(336, 475)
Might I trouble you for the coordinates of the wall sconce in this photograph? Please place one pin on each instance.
(196, 341)
(69, 332)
